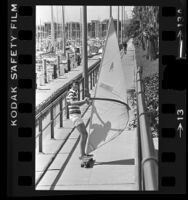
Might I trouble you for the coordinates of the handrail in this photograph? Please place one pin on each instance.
(61, 90)
(149, 164)
(59, 149)
(58, 98)
(49, 106)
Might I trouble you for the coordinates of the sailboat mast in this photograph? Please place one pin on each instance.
(81, 42)
(123, 21)
(57, 29)
(121, 24)
(63, 30)
(40, 35)
(52, 28)
(85, 60)
(110, 11)
(118, 25)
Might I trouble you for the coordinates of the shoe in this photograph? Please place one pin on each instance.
(80, 157)
(89, 155)
(86, 155)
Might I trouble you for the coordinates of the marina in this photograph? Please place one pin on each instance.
(100, 56)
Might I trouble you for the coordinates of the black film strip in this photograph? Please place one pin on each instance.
(21, 97)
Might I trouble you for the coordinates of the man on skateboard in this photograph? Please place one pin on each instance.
(75, 116)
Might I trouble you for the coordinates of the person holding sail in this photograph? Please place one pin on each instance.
(75, 115)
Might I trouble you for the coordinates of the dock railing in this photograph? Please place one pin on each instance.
(59, 99)
(149, 162)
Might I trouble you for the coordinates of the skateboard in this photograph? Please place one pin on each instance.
(87, 161)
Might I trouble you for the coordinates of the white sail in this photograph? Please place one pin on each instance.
(109, 115)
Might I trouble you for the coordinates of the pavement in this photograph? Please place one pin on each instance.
(129, 65)
(52, 146)
(115, 166)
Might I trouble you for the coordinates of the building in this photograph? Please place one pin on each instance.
(89, 32)
(73, 30)
(95, 28)
(115, 24)
(40, 31)
(57, 30)
(104, 27)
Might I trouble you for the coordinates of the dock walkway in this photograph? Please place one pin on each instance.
(115, 166)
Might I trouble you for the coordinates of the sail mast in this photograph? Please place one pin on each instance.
(57, 29)
(121, 24)
(52, 28)
(124, 21)
(118, 25)
(63, 30)
(38, 36)
(84, 41)
(110, 11)
(40, 33)
(81, 42)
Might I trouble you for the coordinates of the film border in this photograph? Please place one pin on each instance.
(21, 141)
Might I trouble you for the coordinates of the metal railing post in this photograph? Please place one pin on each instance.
(96, 76)
(67, 109)
(58, 65)
(52, 122)
(55, 71)
(93, 78)
(68, 62)
(79, 91)
(61, 112)
(40, 135)
(91, 84)
(45, 71)
(83, 89)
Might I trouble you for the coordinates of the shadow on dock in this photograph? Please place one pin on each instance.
(117, 162)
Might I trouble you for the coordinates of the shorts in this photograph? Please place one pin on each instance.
(76, 119)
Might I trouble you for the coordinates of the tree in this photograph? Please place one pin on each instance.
(144, 29)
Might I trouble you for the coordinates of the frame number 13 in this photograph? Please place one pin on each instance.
(180, 117)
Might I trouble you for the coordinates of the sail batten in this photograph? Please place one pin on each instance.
(109, 115)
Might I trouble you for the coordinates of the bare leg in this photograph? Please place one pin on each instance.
(83, 133)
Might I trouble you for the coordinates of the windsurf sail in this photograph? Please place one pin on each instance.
(109, 116)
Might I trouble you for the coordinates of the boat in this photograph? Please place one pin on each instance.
(110, 112)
